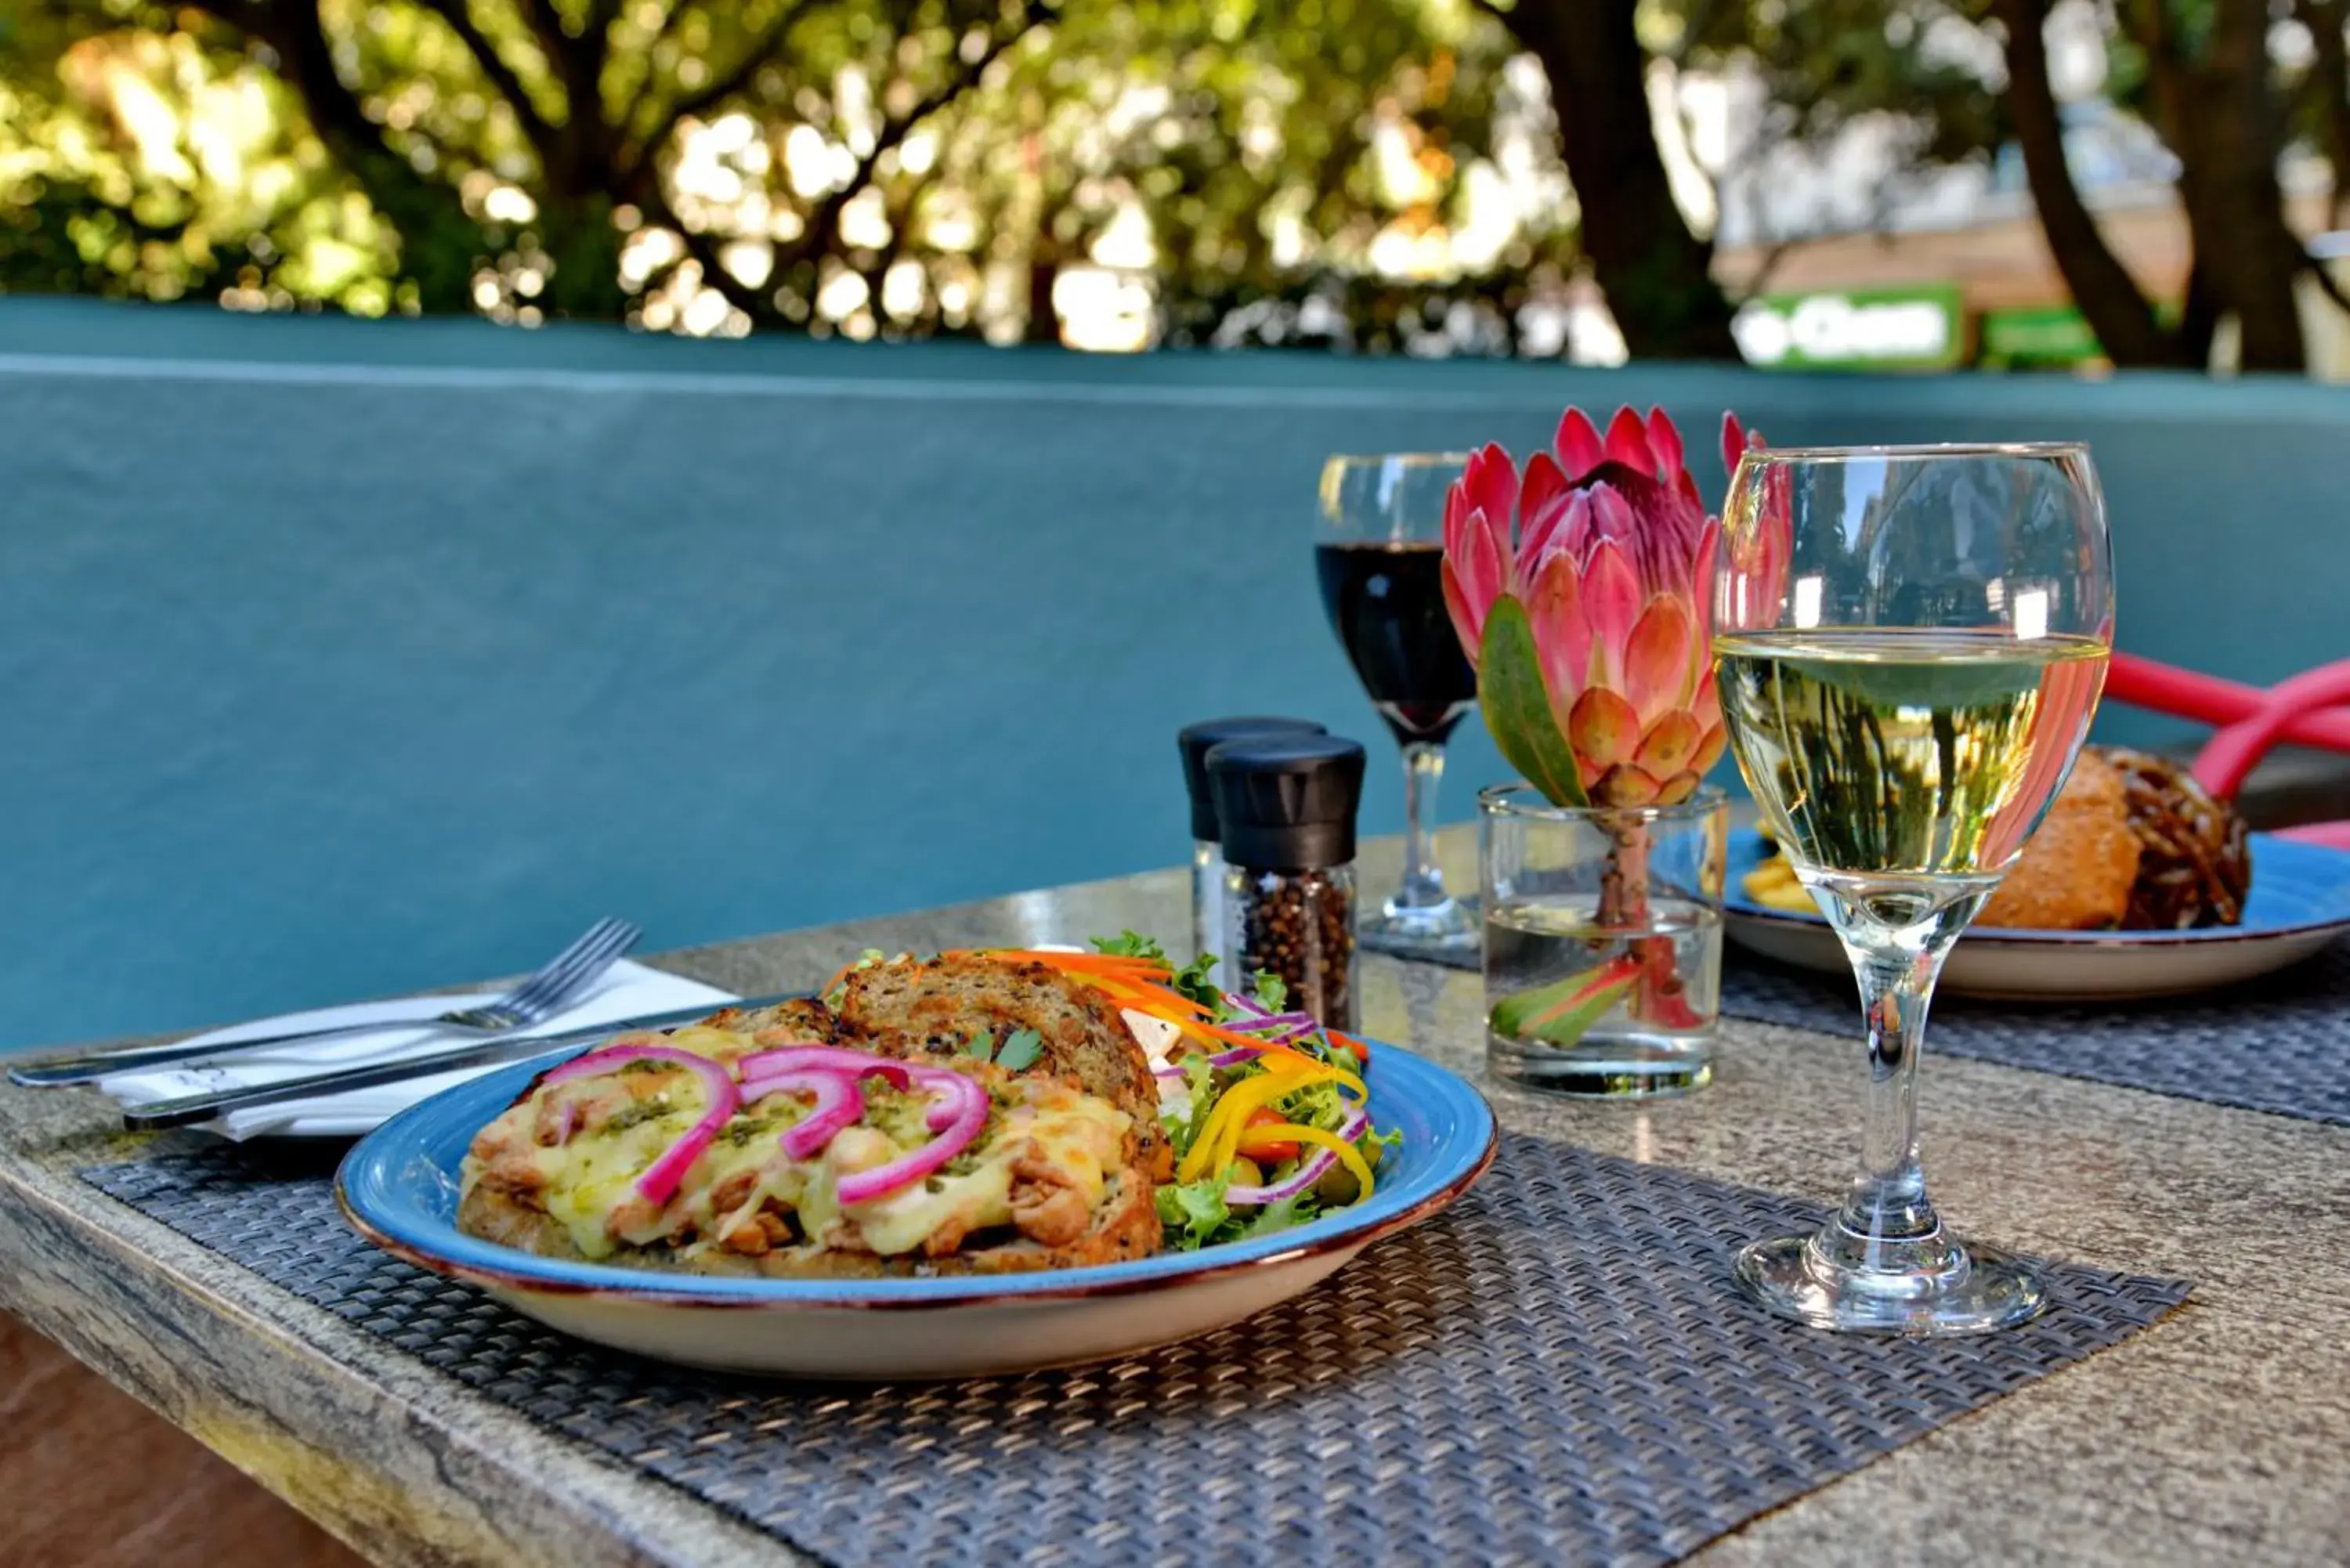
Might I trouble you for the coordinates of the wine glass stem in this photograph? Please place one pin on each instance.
(1887, 1200)
(1423, 771)
(1896, 940)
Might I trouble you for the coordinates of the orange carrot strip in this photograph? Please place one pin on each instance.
(1099, 963)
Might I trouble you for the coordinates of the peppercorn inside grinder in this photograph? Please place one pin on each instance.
(1286, 809)
(1195, 741)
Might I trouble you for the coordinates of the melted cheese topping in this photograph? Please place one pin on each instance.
(1046, 1132)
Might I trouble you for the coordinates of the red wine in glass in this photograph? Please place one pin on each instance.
(1378, 553)
(1385, 601)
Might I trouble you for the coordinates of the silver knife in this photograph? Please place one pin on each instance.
(189, 1109)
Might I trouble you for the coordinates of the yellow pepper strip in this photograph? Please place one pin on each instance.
(1212, 1149)
(1349, 1155)
(1345, 1079)
(1231, 1109)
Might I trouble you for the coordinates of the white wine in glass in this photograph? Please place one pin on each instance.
(1909, 648)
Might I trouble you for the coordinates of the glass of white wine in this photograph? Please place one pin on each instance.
(1910, 642)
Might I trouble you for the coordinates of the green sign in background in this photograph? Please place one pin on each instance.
(2055, 334)
(1918, 327)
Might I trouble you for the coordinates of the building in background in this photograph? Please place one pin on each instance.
(1849, 256)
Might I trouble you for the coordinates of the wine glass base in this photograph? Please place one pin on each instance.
(1980, 1290)
(1449, 929)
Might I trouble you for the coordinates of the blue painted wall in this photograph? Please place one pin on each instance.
(337, 657)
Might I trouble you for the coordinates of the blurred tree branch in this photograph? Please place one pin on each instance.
(2103, 290)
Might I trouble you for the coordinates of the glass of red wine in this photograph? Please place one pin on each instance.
(1378, 549)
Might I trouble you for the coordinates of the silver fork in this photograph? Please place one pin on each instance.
(534, 1001)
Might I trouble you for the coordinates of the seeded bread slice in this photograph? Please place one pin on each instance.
(933, 1008)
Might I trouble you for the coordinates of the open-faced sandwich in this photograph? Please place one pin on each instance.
(974, 1111)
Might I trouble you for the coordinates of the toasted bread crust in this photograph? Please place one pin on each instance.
(934, 1008)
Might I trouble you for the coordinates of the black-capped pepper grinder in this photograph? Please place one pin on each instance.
(1286, 809)
(1195, 741)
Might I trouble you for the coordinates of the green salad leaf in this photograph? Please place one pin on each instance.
(1193, 1212)
(1272, 991)
(1281, 1216)
(1130, 944)
(1191, 980)
(1318, 1105)
(1183, 1128)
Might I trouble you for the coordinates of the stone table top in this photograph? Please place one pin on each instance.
(2223, 1434)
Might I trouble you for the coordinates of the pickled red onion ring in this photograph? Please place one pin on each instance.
(958, 1117)
(837, 1058)
(659, 1182)
(839, 1104)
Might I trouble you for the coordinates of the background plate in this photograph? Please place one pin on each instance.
(400, 1186)
(2300, 902)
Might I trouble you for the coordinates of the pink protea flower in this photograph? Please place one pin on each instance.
(1603, 554)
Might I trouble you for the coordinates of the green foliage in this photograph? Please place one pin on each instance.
(1825, 64)
(249, 210)
(878, 167)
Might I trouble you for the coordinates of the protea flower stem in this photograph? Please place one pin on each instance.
(1659, 996)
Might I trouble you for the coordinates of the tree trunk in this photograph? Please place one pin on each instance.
(2235, 208)
(2103, 289)
(1657, 276)
(578, 234)
(2330, 82)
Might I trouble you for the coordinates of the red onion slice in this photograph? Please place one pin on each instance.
(1304, 1176)
(942, 1112)
(834, 1058)
(658, 1182)
(839, 1104)
(1248, 1004)
(1282, 1021)
(958, 1118)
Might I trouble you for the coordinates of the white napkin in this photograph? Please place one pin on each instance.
(625, 990)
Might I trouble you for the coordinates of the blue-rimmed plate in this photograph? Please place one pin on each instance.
(2300, 902)
(399, 1186)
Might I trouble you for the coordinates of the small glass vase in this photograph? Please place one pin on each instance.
(1603, 942)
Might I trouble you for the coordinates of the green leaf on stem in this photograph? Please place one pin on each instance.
(1561, 1014)
(1517, 707)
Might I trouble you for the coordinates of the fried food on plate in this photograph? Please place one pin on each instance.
(2131, 843)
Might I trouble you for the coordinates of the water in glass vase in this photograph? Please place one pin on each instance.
(1567, 1009)
(1900, 754)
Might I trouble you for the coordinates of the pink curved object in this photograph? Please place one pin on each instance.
(2230, 754)
(2330, 835)
(2187, 694)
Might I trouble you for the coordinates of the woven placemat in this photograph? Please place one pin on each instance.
(1554, 1371)
(2280, 1044)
